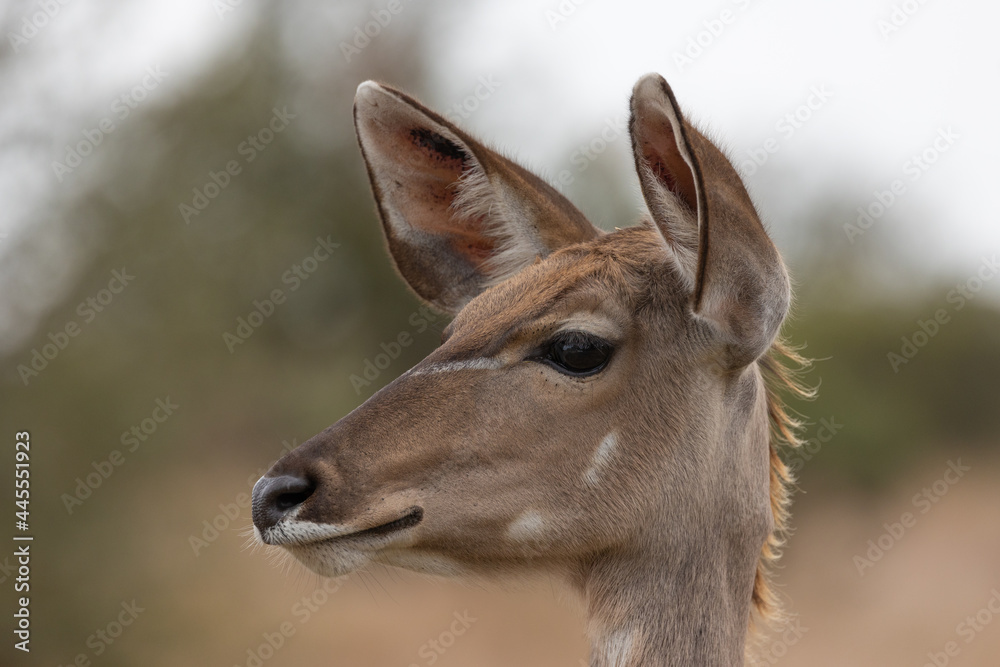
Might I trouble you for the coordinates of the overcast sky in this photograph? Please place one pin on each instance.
(891, 91)
(884, 86)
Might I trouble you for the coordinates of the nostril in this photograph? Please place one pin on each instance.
(286, 501)
(275, 497)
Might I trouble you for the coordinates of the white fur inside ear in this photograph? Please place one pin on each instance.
(678, 223)
(673, 214)
(476, 198)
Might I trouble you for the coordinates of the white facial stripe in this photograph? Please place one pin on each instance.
(601, 457)
(529, 526)
(480, 364)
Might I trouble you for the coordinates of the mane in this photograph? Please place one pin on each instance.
(782, 368)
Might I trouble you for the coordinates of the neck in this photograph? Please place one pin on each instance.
(670, 609)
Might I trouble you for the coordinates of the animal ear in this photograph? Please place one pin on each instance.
(457, 216)
(701, 207)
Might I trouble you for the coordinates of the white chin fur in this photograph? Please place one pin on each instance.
(329, 560)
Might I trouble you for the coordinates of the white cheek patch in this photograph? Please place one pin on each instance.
(619, 647)
(528, 527)
(602, 455)
(480, 364)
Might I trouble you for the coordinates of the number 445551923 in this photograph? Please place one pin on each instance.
(22, 474)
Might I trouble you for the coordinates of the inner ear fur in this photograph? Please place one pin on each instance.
(704, 213)
(457, 215)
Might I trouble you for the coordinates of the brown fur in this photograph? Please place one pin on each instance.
(782, 368)
(654, 485)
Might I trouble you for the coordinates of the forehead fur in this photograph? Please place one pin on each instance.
(623, 271)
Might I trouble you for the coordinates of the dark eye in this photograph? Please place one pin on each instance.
(576, 353)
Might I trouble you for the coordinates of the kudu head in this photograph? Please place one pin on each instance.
(596, 406)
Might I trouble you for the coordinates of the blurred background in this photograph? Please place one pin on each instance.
(165, 165)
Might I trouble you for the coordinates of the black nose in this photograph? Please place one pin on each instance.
(275, 497)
